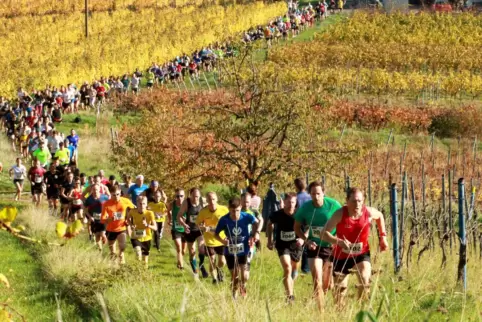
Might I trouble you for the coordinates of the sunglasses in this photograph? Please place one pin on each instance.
(179, 196)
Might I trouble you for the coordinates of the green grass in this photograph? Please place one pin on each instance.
(30, 294)
(420, 293)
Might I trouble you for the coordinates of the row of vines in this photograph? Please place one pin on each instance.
(52, 49)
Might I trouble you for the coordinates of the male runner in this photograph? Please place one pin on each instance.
(238, 239)
(141, 224)
(352, 250)
(314, 215)
(207, 221)
(191, 207)
(160, 211)
(36, 177)
(302, 197)
(287, 244)
(114, 216)
(93, 205)
(177, 230)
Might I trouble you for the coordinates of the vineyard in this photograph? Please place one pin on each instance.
(398, 54)
(308, 110)
(54, 49)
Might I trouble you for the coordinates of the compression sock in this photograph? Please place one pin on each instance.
(201, 260)
(194, 265)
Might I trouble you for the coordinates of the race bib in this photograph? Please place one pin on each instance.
(140, 233)
(316, 231)
(193, 218)
(77, 202)
(38, 179)
(96, 216)
(235, 249)
(354, 249)
(177, 225)
(118, 215)
(158, 216)
(287, 236)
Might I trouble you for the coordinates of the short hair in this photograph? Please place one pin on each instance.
(211, 193)
(114, 188)
(290, 195)
(194, 189)
(245, 194)
(178, 190)
(316, 184)
(351, 191)
(252, 189)
(300, 184)
(234, 202)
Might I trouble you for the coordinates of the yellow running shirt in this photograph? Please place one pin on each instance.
(210, 219)
(159, 209)
(142, 232)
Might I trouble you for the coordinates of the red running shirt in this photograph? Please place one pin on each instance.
(356, 231)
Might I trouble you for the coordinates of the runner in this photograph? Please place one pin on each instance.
(67, 186)
(141, 224)
(36, 177)
(63, 154)
(159, 208)
(126, 185)
(287, 245)
(76, 204)
(207, 221)
(19, 173)
(42, 154)
(314, 216)
(302, 197)
(246, 202)
(352, 250)
(93, 210)
(177, 230)
(114, 216)
(53, 180)
(74, 141)
(137, 189)
(191, 207)
(236, 228)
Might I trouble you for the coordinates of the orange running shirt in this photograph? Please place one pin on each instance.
(117, 211)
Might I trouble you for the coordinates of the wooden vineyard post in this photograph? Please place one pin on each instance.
(347, 184)
(402, 213)
(395, 235)
(462, 267)
(307, 178)
(369, 188)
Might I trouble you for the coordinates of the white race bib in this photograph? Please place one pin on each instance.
(118, 215)
(193, 218)
(235, 249)
(140, 233)
(354, 249)
(77, 202)
(287, 236)
(38, 179)
(316, 231)
(96, 216)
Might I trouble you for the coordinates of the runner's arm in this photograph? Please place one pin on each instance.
(169, 214)
(299, 232)
(219, 229)
(180, 217)
(376, 215)
(152, 224)
(326, 234)
(269, 232)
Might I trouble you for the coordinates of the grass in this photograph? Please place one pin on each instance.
(421, 292)
(30, 293)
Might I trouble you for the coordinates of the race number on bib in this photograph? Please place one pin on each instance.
(235, 249)
(118, 215)
(316, 231)
(38, 179)
(96, 216)
(287, 236)
(140, 233)
(354, 249)
(77, 202)
(192, 218)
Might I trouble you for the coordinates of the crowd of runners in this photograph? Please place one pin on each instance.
(330, 240)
